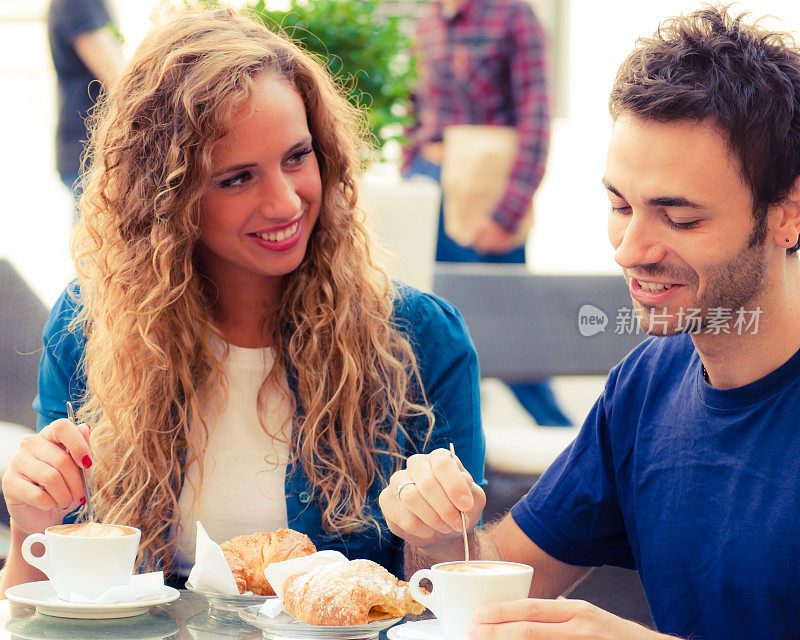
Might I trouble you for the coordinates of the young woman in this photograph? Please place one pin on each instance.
(237, 353)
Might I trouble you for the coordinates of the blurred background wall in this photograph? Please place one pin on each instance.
(589, 40)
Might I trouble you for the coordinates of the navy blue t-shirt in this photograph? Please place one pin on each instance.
(77, 89)
(695, 487)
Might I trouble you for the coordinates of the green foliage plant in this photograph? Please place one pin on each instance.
(365, 51)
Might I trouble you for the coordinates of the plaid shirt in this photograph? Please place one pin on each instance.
(485, 65)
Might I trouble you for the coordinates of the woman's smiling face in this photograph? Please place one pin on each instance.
(265, 193)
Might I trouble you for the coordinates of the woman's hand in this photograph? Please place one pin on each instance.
(43, 481)
(435, 490)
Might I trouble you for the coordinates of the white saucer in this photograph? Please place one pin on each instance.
(419, 630)
(42, 596)
(286, 626)
(157, 626)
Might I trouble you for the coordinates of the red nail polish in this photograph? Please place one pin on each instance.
(87, 462)
(82, 501)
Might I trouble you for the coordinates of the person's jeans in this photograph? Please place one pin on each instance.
(536, 396)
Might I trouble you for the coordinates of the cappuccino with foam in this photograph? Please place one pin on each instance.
(483, 567)
(92, 530)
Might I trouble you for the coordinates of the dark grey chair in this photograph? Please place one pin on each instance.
(528, 326)
(22, 318)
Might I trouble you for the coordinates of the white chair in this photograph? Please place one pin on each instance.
(515, 444)
(403, 216)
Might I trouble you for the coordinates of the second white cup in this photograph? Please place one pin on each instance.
(459, 589)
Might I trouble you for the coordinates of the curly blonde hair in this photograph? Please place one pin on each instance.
(146, 307)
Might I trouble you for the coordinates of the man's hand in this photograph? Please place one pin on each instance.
(492, 239)
(434, 489)
(554, 620)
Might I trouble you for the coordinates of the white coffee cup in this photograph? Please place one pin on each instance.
(458, 590)
(84, 559)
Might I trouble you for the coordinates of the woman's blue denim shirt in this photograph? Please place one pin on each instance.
(448, 368)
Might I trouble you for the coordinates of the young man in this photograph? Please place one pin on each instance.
(687, 467)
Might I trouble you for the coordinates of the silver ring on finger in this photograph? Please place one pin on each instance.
(402, 486)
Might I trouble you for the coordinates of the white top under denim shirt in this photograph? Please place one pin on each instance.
(244, 463)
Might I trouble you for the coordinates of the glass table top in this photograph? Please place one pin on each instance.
(187, 618)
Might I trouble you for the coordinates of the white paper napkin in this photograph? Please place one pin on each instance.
(278, 572)
(211, 571)
(145, 587)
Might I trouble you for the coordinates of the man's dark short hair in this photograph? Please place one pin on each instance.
(745, 79)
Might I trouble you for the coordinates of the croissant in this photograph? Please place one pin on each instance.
(249, 555)
(347, 593)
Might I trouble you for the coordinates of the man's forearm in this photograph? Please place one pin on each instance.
(481, 547)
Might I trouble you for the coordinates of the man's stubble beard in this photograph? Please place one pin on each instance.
(732, 285)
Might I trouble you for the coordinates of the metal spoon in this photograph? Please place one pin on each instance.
(463, 517)
(86, 510)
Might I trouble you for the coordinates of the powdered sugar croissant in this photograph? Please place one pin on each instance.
(346, 593)
(249, 555)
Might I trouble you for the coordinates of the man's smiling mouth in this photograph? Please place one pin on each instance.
(654, 287)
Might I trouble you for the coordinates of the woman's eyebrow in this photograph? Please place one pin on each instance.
(249, 165)
(302, 143)
(235, 167)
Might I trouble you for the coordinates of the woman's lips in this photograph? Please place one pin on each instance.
(282, 238)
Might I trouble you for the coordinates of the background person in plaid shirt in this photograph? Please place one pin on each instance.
(484, 62)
